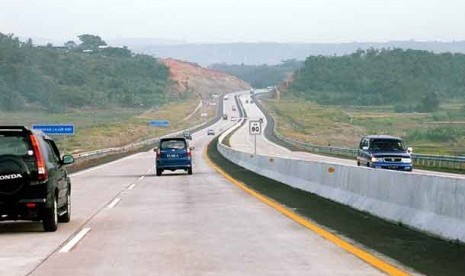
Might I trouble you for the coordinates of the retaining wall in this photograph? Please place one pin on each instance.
(433, 204)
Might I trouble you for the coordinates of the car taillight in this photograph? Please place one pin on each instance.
(158, 153)
(189, 154)
(41, 169)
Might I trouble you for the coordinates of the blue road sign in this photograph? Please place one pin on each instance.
(55, 129)
(159, 123)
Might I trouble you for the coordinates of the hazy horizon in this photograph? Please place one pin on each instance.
(241, 21)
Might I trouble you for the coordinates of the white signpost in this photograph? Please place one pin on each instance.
(255, 128)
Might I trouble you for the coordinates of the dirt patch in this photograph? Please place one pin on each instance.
(189, 77)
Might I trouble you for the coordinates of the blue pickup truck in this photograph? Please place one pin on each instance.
(385, 152)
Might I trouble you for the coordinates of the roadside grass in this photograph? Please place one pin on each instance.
(97, 129)
(441, 132)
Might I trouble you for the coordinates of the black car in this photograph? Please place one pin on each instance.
(385, 152)
(34, 184)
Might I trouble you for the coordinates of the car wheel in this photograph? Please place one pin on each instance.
(50, 217)
(189, 171)
(358, 163)
(368, 165)
(159, 172)
(67, 216)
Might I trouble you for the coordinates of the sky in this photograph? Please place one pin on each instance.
(221, 21)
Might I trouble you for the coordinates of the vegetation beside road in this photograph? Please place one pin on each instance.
(88, 74)
(441, 132)
(98, 129)
(409, 80)
(109, 93)
(261, 75)
(416, 95)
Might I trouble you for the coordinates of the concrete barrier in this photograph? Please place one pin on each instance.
(432, 204)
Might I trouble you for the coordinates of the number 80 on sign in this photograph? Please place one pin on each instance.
(255, 128)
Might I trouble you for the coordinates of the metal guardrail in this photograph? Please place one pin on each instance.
(424, 160)
(90, 155)
(133, 146)
(439, 161)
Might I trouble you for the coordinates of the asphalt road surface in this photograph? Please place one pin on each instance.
(244, 141)
(127, 221)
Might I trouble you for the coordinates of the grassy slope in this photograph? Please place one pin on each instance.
(96, 129)
(343, 126)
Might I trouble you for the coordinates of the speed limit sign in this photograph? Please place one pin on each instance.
(255, 128)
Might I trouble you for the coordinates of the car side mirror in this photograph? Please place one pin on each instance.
(192, 148)
(409, 150)
(155, 149)
(67, 159)
(365, 148)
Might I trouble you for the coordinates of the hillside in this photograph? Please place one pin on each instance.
(191, 78)
(411, 80)
(261, 75)
(85, 75)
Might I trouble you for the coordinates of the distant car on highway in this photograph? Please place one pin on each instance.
(34, 184)
(225, 97)
(384, 151)
(187, 135)
(225, 116)
(173, 154)
(233, 108)
(210, 132)
(233, 119)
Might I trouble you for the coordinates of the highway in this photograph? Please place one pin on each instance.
(244, 141)
(127, 221)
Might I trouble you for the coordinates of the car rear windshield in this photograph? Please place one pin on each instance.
(13, 145)
(387, 145)
(172, 144)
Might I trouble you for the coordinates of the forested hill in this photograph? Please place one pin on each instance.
(261, 75)
(85, 74)
(411, 79)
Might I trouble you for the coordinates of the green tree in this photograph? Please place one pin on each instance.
(90, 42)
(429, 103)
(378, 77)
(53, 79)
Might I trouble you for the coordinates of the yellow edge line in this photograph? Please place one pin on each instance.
(360, 253)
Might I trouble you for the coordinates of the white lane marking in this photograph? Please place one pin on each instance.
(141, 178)
(114, 202)
(132, 186)
(72, 243)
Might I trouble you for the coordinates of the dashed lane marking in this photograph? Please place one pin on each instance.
(72, 243)
(114, 202)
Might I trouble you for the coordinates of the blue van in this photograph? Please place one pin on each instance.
(173, 154)
(384, 151)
